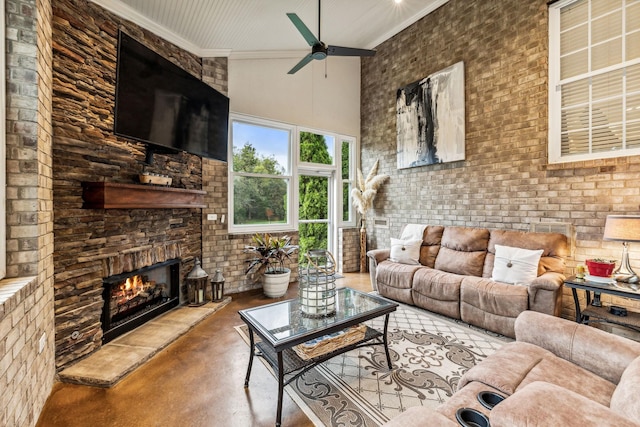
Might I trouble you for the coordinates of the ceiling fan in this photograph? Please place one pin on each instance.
(319, 50)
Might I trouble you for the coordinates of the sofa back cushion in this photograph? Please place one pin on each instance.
(554, 248)
(624, 400)
(463, 250)
(431, 245)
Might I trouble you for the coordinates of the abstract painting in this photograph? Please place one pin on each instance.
(430, 119)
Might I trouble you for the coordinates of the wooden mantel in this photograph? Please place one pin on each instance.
(110, 195)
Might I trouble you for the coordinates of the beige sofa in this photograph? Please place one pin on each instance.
(556, 373)
(454, 269)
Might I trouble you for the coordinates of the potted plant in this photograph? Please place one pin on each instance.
(270, 253)
(600, 267)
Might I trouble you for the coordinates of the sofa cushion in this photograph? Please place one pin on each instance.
(545, 404)
(494, 297)
(431, 245)
(624, 400)
(395, 280)
(492, 305)
(437, 291)
(463, 250)
(554, 246)
(518, 364)
(405, 251)
(515, 265)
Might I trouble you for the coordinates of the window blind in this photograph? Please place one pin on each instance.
(599, 76)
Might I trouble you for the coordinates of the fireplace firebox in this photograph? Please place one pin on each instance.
(133, 298)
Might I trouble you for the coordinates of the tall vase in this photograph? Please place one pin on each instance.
(363, 247)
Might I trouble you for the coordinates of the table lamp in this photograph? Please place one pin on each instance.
(625, 229)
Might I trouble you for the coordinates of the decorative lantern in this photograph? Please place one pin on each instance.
(217, 286)
(317, 289)
(197, 284)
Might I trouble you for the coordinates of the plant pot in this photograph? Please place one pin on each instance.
(600, 269)
(275, 285)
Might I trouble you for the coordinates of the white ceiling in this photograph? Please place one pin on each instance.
(257, 28)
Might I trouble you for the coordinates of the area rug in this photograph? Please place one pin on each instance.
(429, 354)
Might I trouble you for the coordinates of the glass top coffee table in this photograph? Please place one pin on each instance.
(282, 326)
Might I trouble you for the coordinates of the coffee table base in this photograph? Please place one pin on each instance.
(287, 363)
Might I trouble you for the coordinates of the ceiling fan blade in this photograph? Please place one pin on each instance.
(304, 61)
(304, 30)
(349, 51)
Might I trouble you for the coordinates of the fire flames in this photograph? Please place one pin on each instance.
(132, 296)
(133, 287)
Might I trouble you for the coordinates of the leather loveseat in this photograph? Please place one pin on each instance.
(458, 272)
(556, 373)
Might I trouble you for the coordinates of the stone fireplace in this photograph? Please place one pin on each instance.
(96, 241)
(133, 298)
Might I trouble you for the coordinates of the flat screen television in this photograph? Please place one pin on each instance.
(161, 104)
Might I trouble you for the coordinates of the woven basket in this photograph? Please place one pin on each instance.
(329, 343)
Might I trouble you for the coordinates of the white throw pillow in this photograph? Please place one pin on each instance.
(405, 251)
(515, 265)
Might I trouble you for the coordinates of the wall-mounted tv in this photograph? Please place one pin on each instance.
(159, 103)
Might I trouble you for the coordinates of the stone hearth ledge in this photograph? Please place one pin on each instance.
(116, 359)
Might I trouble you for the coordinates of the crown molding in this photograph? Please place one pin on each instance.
(215, 53)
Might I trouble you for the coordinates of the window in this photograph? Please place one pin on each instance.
(594, 79)
(260, 175)
(265, 179)
(347, 179)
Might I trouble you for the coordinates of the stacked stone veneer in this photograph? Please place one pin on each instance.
(348, 257)
(91, 244)
(26, 295)
(505, 180)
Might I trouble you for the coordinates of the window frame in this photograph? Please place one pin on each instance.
(294, 169)
(555, 155)
(288, 177)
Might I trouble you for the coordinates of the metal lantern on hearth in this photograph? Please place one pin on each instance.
(217, 286)
(197, 285)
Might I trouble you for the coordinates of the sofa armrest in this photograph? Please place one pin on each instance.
(549, 281)
(545, 404)
(419, 416)
(600, 352)
(545, 293)
(379, 255)
(376, 256)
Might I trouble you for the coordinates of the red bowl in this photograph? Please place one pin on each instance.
(600, 269)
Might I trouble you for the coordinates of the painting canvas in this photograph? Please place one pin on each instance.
(430, 119)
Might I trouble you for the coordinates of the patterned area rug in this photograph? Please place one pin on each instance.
(429, 353)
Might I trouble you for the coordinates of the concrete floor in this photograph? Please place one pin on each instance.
(198, 380)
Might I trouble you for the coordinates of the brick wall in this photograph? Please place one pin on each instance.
(505, 181)
(26, 296)
(87, 241)
(348, 257)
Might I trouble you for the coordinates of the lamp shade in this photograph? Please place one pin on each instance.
(622, 228)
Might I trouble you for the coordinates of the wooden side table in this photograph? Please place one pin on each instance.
(594, 311)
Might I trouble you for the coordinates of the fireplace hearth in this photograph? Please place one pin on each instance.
(133, 298)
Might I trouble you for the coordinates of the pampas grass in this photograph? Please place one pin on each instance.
(367, 189)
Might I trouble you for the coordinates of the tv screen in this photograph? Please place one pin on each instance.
(159, 103)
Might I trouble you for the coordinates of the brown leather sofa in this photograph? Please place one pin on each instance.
(556, 373)
(454, 276)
